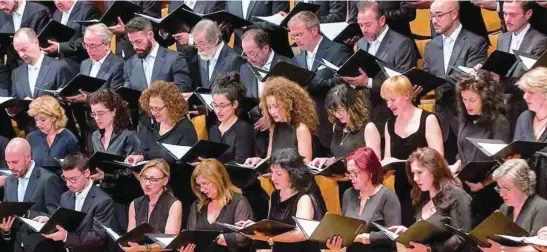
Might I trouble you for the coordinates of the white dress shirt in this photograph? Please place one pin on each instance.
(190, 3)
(214, 60)
(33, 71)
(80, 196)
(310, 56)
(66, 15)
(22, 183)
(245, 7)
(96, 66)
(148, 63)
(18, 15)
(448, 46)
(266, 68)
(373, 49)
(516, 40)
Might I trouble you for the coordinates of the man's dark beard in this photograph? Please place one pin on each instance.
(147, 50)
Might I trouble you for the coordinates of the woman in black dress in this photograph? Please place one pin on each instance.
(409, 129)
(292, 197)
(438, 198)
(158, 207)
(218, 201)
(368, 200)
(516, 183)
(292, 117)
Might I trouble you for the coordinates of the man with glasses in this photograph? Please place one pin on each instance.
(83, 196)
(454, 47)
(28, 183)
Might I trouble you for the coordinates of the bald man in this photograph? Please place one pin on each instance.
(455, 46)
(29, 183)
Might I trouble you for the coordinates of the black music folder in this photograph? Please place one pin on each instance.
(290, 71)
(393, 164)
(499, 149)
(82, 82)
(359, 60)
(103, 160)
(201, 99)
(268, 227)
(282, 21)
(131, 96)
(421, 232)
(499, 62)
(172, 21)
(331, 225)
(336, 168)
(68, 219)
(201, 238)
(531, 61)
(6, 40)
(242, 175)
(19, 209)
(340, 31)
(55, 31)
(223, 16)
(496, 224)
(418, 77)
(476, 171)
(203, 149)
(124, 9)
(112, 166)
(10, 102)
(136, 235)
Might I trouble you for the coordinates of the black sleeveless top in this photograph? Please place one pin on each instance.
(401, 148)
(283, 211)
(343, 143)
(160, 213)
(284, 136)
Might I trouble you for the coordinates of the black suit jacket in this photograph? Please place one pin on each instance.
(111, 70)
(35, 16)
(469, 50)
(331, 11)
(73, 52)
(249, 79)
(53, 75)
(398, 14)
(228, 61)
(90, 236)
(168, 66)
(534, 43)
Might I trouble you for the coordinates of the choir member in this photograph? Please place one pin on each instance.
(113, 136)
(516, 183)
(368, 200)
(409, 128)
(290, 112)
(158, 207)
(292, 197)
(218, 201)
(51, 139)
(398, 14)
(438, 198)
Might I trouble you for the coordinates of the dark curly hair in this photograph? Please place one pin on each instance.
(488, 89)
(299, 174)
(175, 103)
(230, 85)
(113, 101)
(353, 101)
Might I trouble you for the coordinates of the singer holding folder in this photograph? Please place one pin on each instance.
(516, 183)
(218, 201)
(158, 207)
(368, 200)
(438, 198)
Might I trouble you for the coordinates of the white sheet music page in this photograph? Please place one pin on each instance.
(153, 19)
(165, 240)
(276, 19)
(177, 150)
(307, 226)
(111, 232)
(390, 72)
(492, 148)
(208, 98)
(528, 62)
(332, 30)
(37, 226)
(5, 99)
(330, 65)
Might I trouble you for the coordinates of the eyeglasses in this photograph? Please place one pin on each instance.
(157, 109)
(72, 179)
(502, 189)
(91, 46)
(220, 106)
(151, 180)
(299, 35)
(336, 111)
(206, 184)
(352, 175)
(252, 55)
(98, 114)
(439, 15)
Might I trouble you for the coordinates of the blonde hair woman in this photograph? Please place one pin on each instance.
(51, 139)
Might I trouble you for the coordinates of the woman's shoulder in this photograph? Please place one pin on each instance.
(526, 115)
(457, 194)
(539, 202)
(33, 135)
(68, 134)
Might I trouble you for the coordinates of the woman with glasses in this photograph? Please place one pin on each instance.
(292, 197)
(112, 117)
(409, 129)
(516, 186)
(438, 198)
(51, 139)
(218, 201)
(368, 200)
(158, 207)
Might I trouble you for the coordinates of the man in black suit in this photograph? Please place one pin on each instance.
(29, 183)
(67, 13)
(304, 29)
(398, 15)
(151, 61)
(456, 46)
(84, 197)
(389, 46)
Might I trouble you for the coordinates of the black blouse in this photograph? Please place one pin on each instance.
(284, 136)
(237, 209)
(240, 139)
(467, 152)
(343, 143)
(532, 216)
(160, 213)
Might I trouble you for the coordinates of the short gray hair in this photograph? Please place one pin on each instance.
(210, 29)
(100, 30)
(518, 171)
(308, 18)
(30, 33)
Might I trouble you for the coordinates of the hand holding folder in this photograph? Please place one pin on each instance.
(499, 149)
(336, 168)
(267, 227)
(200, 238)
(203, 149)
(331, 225)
(285, 69)
(68, 219)
(135, 235)
(422, 232)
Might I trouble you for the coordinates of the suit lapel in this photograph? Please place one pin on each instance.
(200, 6)
(32, 183)
(71, 200)
(88, 200)
(86, 66)
(25, 82)
(44, 70)
(322, 52)
(139, 71)
(204, 72)
(384, 46)
(456, 50)
(158, 63)
(219, 65)
(505, 44)
(104, 67)
(526, 42)
(9, 27)
(250, 9)
(25, 20)
(11, 183)
(73, 14)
